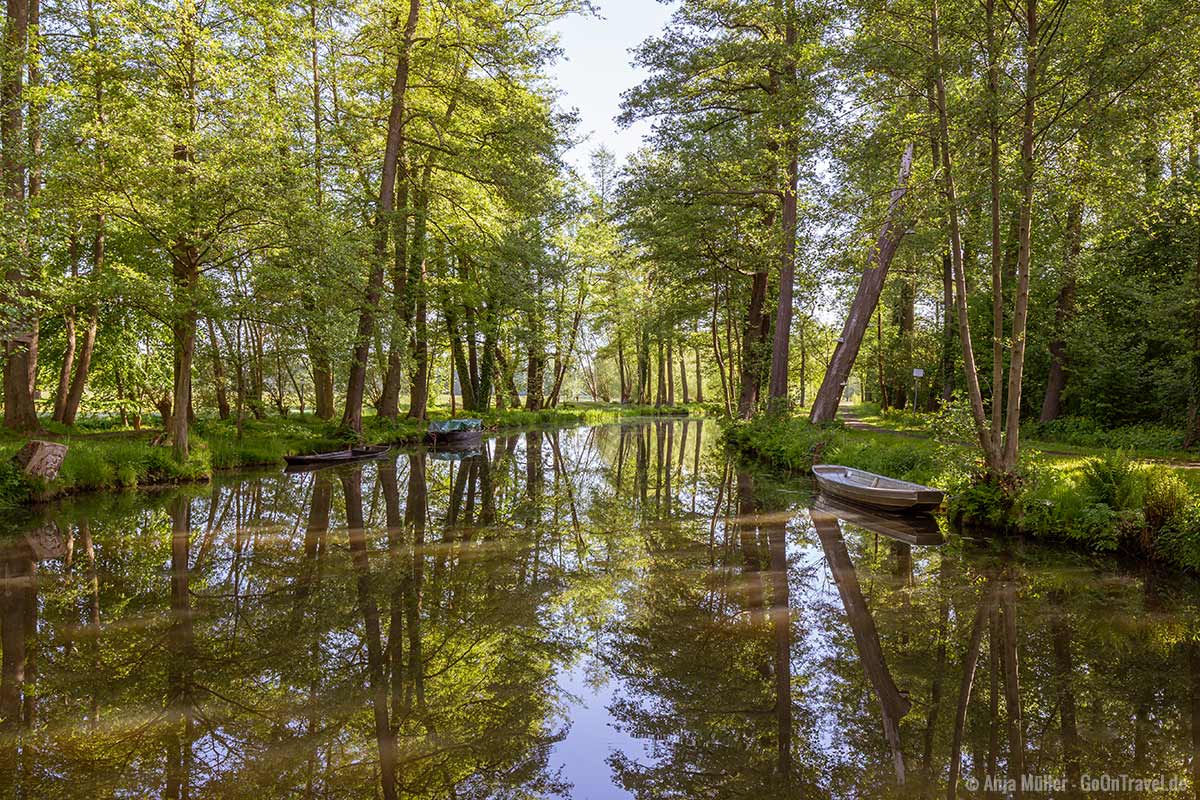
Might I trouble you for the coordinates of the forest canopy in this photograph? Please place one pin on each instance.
(216, 208)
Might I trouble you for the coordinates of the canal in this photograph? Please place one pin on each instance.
(610, 612)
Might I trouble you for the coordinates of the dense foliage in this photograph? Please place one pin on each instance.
(235, 210)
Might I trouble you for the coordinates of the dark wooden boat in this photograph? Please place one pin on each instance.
(337, 456)
(457, 434)
(919, 530)
(876, 491)
(455, 439)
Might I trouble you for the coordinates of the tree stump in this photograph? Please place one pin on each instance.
(39, 459)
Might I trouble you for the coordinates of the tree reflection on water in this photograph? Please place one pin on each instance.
(404, 628)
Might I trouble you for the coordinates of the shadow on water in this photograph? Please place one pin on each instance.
(616, 611)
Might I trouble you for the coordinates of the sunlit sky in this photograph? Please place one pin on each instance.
(595, 69)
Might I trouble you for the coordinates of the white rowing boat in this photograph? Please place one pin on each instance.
(876, 491)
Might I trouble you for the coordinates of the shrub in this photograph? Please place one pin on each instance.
(1084, 432)
(1179, 540)
(1166, 496)
(1113, 480)
(984, 503)
(14, 490)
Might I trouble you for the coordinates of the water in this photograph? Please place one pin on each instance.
(596, 613)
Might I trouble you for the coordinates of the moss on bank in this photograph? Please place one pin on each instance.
(122, 459)
(1107, 502)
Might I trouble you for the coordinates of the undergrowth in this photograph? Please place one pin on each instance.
(1109, 503)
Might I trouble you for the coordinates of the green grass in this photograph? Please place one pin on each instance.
(107, 458)
(1108, 502)
(1067, 435)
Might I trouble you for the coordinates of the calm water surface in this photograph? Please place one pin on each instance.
(613, 612)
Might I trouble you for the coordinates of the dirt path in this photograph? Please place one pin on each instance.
(854, 423)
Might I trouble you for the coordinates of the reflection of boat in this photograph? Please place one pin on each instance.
(455, 455)
(877, 491)
(336, 457)
(456, 434)
(914, 529)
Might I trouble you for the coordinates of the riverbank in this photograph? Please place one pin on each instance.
(117, 459)
(1100, 500)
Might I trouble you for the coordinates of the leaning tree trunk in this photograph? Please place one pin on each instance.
(68, 364)
(83, 358)
(356, 385)
(866, 299)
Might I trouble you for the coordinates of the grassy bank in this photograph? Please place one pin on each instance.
(110, 459)
(1063, 435)
(1104, 501)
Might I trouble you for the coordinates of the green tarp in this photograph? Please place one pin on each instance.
(456, 426)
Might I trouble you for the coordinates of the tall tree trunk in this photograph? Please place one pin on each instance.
(356, 385)
(256, 370)
(183, 334)
(643, 365)
(752, 346)
(670, 372)
(417, 287)
(458, 356)
(621, 368)
(563, 361)
(780, 347)
(699, 374)
(83, 360)
(974, 392)
(683, 381)
(535, 375)
(948, 336)
(68, 361)
(660, 396)
(1016, 372)
(803, 362)
(20, 335)
(906, 323)
(218, 371)
(866, 299)
(318, 353)
(1193, 424)
(997, 257)
(1064, 311)
(716, 343)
